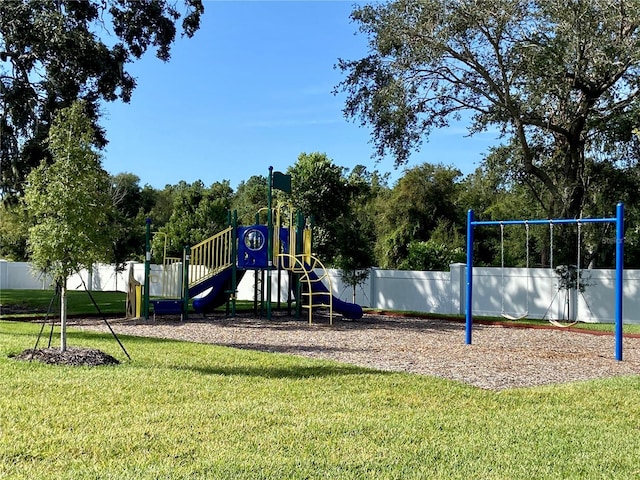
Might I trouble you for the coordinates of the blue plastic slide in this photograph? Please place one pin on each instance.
(219, 285)
(348, 310)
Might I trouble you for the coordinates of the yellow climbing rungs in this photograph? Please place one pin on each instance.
(297, 264)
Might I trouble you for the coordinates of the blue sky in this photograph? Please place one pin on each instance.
(253, 89)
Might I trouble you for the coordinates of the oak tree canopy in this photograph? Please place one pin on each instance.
(54, 52)
(560, 80)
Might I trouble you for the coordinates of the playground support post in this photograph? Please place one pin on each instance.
(147, 269)
(298, 249)
(619, 222)
(186, 257)
(279, 181)
(233, 220)
(269, 242)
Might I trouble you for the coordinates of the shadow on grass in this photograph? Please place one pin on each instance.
(295, 372)
(247, 368)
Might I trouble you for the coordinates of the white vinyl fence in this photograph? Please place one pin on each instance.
(514, 291)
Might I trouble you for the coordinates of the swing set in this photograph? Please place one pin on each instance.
(569, 278)
(618, 220)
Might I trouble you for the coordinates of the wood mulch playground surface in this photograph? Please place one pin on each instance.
(499, 358)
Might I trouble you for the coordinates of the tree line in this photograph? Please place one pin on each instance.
(359, 220)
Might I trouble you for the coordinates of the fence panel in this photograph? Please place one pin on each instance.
(512, 290)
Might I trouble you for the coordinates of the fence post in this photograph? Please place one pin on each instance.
(373, 294)
(4, 276)
(456, 288)
(184, 294)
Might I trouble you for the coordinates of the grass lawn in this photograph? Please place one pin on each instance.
(17, 303)
(185, 410)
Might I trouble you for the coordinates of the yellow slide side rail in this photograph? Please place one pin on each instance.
(210, 257)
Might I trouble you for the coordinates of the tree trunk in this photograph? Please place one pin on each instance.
(63, 316)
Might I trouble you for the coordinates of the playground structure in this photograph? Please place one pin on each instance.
(618, 220)
(212, 269)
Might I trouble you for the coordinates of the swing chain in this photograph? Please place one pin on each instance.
(502, 245)
(551, 244)
(578, 259)
(526, 228)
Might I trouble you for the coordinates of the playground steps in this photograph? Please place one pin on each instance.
(316, 294)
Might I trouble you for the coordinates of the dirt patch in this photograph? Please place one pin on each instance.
(18, 309)
(73, 356)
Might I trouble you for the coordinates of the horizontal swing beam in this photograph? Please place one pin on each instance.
(618, 220)
(544, 222)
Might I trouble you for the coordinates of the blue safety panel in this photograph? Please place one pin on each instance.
(252, 247)
(166, 306)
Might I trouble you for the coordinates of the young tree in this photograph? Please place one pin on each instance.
(561, 80)
(70, 203)
(355, 229)
(54, 52)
